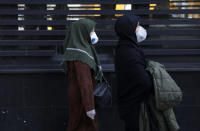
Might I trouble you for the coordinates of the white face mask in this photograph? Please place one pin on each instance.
(141, 34)
(94, 38)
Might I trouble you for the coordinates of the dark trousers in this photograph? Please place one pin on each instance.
(130, 114)
(131, 120)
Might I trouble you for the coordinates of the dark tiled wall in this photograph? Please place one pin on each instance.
(38, 102)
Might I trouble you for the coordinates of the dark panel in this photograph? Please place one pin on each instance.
(101, 32)
(11, 92)
(64, 12)
(28, 53)
(99, 22)
(78, 2)
(45, 103)
(102, 43)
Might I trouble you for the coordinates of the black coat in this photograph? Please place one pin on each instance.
(134, 82)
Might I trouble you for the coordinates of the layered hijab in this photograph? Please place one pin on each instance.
(78, 47)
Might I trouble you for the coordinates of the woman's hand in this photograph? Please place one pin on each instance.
(91, 114)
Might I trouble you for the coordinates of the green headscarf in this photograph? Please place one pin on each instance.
(77, 46)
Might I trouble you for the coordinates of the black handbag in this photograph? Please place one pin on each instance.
(103, 94)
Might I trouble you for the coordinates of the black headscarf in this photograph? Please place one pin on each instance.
(125, 28)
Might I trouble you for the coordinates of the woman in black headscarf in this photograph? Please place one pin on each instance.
(134, 82)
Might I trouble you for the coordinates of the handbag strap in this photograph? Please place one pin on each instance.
(104, 79)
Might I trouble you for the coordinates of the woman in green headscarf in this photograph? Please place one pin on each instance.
(84, 71)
